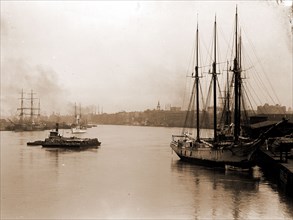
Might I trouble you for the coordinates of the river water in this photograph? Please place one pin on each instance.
(133, 174)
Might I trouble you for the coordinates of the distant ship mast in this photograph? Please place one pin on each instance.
(21, 108)
(24, 110)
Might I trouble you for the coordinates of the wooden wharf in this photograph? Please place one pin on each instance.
(278, 165)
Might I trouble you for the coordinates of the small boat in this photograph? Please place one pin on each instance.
(78, 130)
(232, 168)
(77, 127)
(55, 140)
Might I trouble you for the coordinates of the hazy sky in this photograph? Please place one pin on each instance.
(127, 55)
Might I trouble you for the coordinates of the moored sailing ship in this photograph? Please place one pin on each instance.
(32, 122)
(224, 148)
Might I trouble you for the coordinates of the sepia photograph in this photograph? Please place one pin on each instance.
(146, 109)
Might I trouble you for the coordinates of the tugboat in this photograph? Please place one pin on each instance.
(55, 140)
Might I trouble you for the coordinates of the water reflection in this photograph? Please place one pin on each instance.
(59, 156)
(218, 193)
(285, 200)
(230, 194)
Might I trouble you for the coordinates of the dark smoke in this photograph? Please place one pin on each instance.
(43, 80)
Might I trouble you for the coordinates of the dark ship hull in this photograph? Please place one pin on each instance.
(28, 127)
(35, 143)
(72, 142)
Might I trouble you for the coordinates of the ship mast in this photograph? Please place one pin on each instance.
(214, 74)
(28, 110)
(39, 111)
(237, 86)
(228, 115)
(239, 81)
(79, 113)
(75, 113)
(197, 87)
(32, 106)
(21, 108)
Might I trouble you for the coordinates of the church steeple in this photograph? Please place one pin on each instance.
(158, 106)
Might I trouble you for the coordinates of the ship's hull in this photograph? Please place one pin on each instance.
(78, 131)
(212, 157)
(35, 143)
(28, 127)
(72, 143)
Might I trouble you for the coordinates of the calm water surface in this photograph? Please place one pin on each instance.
(132, 175)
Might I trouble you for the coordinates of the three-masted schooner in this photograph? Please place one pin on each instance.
(219, 151)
